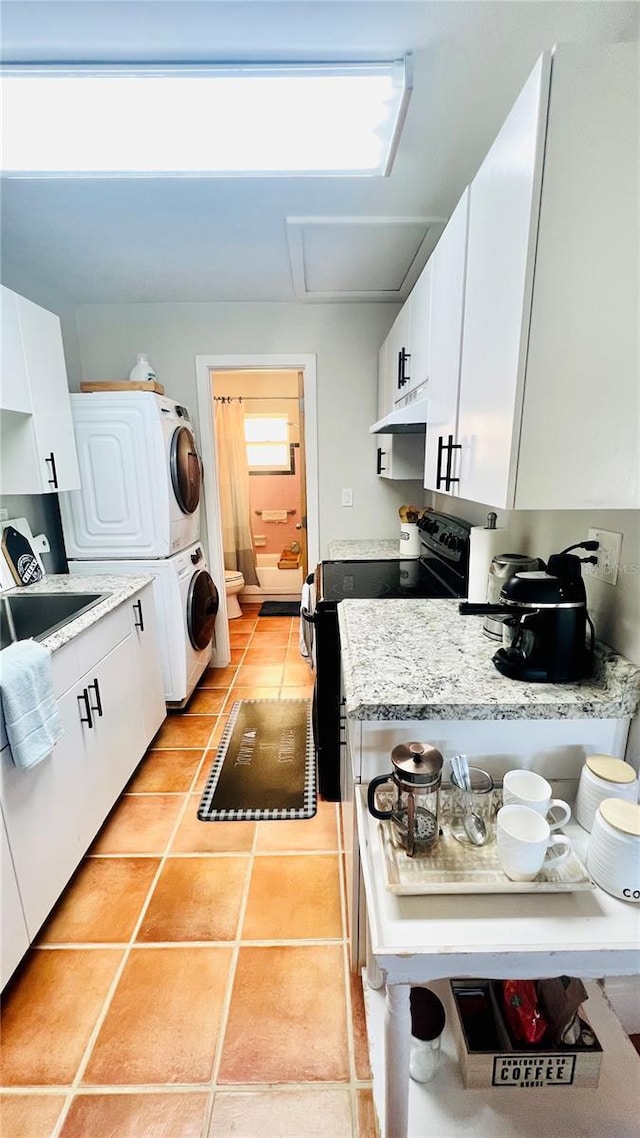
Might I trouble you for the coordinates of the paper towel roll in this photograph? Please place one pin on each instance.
(485, 544)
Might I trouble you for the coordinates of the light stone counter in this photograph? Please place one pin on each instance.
(384, 549)
(118, 590)
(420, 659)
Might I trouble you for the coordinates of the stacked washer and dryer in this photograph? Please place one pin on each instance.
(138, 512)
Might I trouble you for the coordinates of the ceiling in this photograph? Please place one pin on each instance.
(202, 239)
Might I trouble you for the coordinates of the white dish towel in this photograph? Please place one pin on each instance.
(29, 704)
(306, 642)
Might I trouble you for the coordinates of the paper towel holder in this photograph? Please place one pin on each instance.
(492, 518)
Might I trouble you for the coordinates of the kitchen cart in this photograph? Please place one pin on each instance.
(427, 939)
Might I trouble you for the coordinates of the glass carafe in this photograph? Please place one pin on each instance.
(415, 810)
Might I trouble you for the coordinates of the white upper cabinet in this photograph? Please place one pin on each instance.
(38, 444)
(419, 305)
(448, 267)
(397, 456)
(14, 384)
(398, 358)
(548, 401)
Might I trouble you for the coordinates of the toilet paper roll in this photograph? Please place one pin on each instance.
(485, 544)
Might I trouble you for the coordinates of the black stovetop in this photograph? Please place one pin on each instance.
(377, 580)
(440, 571)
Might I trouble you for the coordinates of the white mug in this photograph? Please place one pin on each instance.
(525, 788)
(524, 841)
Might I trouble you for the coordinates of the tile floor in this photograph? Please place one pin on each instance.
(193, 980)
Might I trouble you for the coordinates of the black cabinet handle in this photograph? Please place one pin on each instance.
(447, 477)
(451, 446)
(96, 688)
(139, 620)
(86, 718)
(53, 481)
(379, 466)
(439, 475)
(403, 378)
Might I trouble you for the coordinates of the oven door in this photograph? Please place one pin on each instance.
(323, 619)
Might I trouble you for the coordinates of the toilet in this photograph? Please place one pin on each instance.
(233, 583)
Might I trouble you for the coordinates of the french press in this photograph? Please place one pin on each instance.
(415, 814)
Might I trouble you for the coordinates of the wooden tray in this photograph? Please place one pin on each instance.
(451, 867)
(124, 385)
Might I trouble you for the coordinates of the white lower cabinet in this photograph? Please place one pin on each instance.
(149, 663)
(111, 703)
(15, 938)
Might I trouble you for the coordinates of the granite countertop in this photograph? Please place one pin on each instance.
(384, 549)
(118, 590)
(420, 659)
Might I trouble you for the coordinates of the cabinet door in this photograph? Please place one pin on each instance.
(400, 457)
(14, 387)
(503, 217)
(50, 812)
(149, 663)
(398, 356)
(56, 461)
(420, 330)
(448, 269)
(14, 939)
(385, 394)
(116, 711)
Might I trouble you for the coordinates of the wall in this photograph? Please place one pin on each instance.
(43, 515)
(345, 339)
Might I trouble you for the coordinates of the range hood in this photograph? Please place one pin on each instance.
(408, 420)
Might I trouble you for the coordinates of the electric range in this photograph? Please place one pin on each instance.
(441, 570)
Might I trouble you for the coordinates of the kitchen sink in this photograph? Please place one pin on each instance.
(23, 617)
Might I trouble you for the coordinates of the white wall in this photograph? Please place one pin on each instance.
(345, 339)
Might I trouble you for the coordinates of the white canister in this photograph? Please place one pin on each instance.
(602, 777)
(409, 540)
(613, 853)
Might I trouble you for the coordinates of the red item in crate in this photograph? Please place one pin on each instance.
(521, 1010)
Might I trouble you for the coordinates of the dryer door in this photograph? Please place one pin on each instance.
(185, 469)
(202, 606)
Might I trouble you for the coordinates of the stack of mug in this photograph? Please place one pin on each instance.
(526, 824)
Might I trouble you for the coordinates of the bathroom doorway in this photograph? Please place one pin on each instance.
(265, 410)
(277, 399)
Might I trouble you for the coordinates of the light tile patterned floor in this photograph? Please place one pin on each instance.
(193, 980)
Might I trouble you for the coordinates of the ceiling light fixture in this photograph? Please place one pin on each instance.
(214, 121)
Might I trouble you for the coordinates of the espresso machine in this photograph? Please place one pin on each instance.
(545, 622)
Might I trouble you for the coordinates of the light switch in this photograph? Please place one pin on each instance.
(347, 497)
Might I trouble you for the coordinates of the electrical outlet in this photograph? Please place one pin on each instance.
(608, 554)
(347, 497)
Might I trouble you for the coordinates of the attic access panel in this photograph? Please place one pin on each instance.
(351, 258)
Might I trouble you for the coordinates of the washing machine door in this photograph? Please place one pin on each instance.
(202, 606)
(186, 471)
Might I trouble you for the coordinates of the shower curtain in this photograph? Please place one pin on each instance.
(233, 479)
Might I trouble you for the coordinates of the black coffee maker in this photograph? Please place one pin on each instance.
(545, 633)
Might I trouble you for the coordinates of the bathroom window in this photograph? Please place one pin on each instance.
(267, 442)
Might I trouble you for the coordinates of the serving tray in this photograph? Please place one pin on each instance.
(451, 867)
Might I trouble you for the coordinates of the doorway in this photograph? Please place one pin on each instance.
(270, 417)
(271, 401)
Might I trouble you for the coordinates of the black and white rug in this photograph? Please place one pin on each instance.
(264, 769)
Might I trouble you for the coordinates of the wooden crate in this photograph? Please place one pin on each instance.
(124, 385)
(499, 1063)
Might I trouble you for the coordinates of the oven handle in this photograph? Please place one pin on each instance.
(310, 617)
